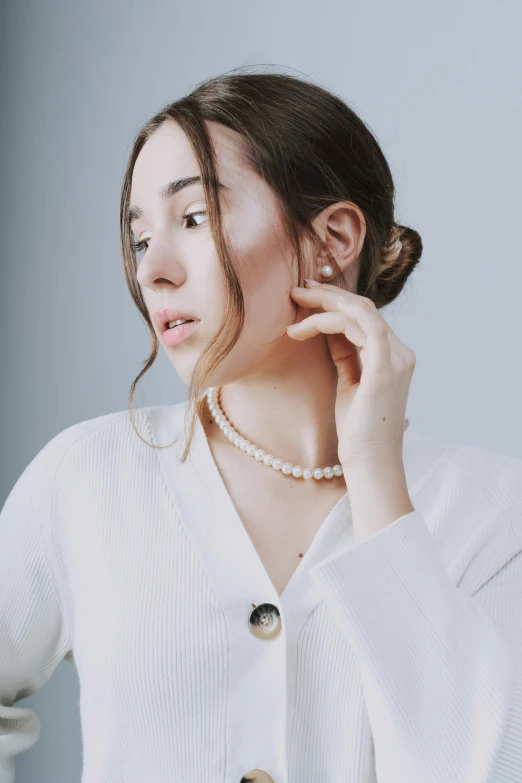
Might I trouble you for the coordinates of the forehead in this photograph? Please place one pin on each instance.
(168, 155)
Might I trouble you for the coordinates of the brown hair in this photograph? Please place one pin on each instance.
(313, 151)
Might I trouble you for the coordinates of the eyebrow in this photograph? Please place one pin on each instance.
(168, 190)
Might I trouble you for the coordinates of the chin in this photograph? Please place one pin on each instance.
(183, 367)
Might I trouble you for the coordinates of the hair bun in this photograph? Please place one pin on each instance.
(392, 249)
(400, 256)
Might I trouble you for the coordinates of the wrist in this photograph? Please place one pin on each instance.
(378, 496)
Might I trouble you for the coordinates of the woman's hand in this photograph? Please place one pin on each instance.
(374, 373)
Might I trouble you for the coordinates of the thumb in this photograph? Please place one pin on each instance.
(345, 356)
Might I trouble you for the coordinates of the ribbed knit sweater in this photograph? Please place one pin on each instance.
(396, 660)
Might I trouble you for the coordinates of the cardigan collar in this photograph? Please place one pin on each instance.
(221, 541)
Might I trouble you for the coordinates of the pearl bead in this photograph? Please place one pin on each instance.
(259, 454)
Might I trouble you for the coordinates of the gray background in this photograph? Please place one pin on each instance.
(440, 84)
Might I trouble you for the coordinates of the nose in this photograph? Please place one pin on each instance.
(160, 266)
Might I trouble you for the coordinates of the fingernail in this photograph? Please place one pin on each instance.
(297, 288)
(312, 282)
(292, 326)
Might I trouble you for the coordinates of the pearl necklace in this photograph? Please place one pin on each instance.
(261, 456)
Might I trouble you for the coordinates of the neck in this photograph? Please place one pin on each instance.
(290, 414)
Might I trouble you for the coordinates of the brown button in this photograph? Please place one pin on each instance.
(265, 623)
(257, 775)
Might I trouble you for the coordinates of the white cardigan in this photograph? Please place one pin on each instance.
(398, 660)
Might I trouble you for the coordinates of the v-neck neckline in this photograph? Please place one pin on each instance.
(217, 532)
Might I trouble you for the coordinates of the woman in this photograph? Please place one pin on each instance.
(345, 606)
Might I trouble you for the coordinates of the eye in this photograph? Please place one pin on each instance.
(138, 246)
(144, 243)
(193, 215)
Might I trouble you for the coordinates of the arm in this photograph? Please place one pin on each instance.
(441, 669)
(35, 629)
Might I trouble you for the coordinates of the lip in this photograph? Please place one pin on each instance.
(162, 317)
(179, 333)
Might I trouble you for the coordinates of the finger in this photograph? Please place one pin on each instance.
(329, 323)
(403, 352)
(325, 297)
(376, 355)
(398, 350)
(346, 357)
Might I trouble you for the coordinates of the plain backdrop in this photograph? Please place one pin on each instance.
(439, 83)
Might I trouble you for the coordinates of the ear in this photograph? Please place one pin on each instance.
(343, 227)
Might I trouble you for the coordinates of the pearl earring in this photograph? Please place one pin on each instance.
(327, 271)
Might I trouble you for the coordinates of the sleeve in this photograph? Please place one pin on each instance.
(441, 668)
(35, 628)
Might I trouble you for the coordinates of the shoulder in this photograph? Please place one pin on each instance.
(495, 483)
(497, 476)
(487, 480)
(472, 504)
(95, 432)
(103, 437)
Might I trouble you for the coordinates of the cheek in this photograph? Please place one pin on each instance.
(269, 307)
(265, 275)
(206, 286)
(267, 318)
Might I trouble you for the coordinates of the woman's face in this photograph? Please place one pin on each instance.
(180, 268)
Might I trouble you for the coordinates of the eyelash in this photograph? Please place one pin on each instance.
(143, 246)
